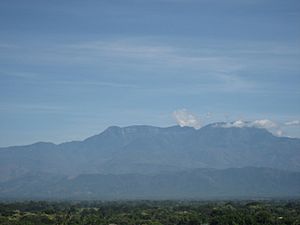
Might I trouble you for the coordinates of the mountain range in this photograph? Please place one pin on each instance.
(153, 162)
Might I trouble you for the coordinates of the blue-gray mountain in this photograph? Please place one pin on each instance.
(153, 162)
(150, 150)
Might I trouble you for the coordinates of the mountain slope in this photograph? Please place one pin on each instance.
(194, 184)
(150, 150)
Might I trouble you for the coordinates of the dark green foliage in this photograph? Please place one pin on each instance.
(150, 213)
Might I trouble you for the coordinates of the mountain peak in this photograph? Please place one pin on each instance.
(146, 129)
(112, 129)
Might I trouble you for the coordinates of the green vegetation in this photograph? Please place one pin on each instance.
(150, 213)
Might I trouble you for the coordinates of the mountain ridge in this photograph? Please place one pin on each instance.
(132, 127)
(150, 149)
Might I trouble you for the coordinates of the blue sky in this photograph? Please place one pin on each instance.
(69, 69)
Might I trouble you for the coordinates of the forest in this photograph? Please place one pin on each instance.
(277, 212)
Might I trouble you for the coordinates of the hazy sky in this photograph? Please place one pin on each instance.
(69, 69)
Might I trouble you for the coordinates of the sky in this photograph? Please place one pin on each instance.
(69, 69)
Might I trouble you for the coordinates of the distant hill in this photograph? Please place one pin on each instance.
(194, 184)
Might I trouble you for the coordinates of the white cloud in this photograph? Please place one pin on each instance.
(265, 123)
(279, 133)
(184, 118)
(238, 123)
(270, 125)
(292, 123)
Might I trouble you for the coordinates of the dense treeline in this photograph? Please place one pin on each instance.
(150, 212)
